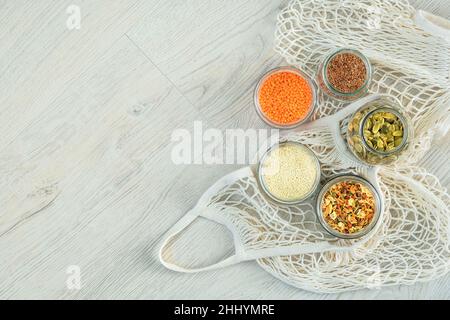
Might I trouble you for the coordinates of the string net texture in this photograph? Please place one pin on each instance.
(413, 66)
(408, 62)
(410, 243)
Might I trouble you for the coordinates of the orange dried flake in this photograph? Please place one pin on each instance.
(348, 207)
(285, 98)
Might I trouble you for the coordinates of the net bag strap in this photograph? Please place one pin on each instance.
(182, 224)
(201, 209)
(433, 24)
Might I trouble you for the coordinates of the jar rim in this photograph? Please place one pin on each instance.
(262, 182)
(400, 116)
(258, 105)
(366, 183)
(360, 55)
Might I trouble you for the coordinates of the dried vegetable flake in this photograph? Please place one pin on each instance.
(348, 207)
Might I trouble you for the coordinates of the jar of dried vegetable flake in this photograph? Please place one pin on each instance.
(344, 74)
(348, 207)
(379, 132)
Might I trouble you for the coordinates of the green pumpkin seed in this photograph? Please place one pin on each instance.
(389, 116)
(382, 131)
(376, 127)
(398, 141)
(380, 143)
(378, 116)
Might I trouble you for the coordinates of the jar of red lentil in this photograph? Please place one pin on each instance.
(344, 74)
(285, 97)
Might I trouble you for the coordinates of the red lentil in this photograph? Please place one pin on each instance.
(285, 98)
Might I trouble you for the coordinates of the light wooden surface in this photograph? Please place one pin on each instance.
(85, 172)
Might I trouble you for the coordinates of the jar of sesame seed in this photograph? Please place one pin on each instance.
(344, 74)
(289, 172)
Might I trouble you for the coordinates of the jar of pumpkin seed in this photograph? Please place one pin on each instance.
(379, 131)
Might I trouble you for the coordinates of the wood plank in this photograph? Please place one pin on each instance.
(214, 54)
(105, 160)
(40, 57)
(86, 176)
(217, 74)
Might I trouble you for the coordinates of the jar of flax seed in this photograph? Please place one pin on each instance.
(344, 74)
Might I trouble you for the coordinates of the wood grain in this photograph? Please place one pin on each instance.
(86, 177)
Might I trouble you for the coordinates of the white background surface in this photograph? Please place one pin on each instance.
(85, 122)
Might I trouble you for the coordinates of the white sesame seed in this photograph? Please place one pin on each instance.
(289, 172)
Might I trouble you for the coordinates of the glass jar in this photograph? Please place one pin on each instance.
(361, 141)
(262, 182)
(377, 209)
(258, 105)
(325, 85)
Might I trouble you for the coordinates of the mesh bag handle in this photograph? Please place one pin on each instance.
(181, 225)
(433, 24)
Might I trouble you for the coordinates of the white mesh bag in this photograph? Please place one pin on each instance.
(410, 55)
(410, 242)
